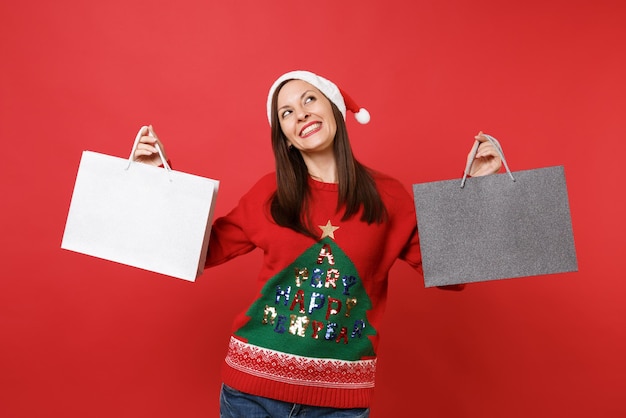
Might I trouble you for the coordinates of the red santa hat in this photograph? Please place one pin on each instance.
(328, 88)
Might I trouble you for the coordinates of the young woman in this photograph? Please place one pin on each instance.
(330, 229)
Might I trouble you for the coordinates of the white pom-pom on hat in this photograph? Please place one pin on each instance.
(328, 88)
(362, 116)
(360, 113)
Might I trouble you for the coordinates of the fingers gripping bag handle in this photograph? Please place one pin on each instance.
(156, 145)
(474, 151)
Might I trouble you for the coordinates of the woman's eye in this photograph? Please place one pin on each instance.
(309, 99)
(285, 114)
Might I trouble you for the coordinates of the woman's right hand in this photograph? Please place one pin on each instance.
(146, 151)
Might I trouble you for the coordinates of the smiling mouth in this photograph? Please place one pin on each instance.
(310, 129)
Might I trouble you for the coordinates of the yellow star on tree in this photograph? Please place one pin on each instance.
(328, 230)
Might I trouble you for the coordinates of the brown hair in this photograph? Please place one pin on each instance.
(356, 185)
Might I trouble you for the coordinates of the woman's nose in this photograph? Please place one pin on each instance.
(303, 114)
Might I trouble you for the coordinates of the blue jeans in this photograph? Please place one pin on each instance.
(235, 404)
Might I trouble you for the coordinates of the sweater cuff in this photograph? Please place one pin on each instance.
(454, 287)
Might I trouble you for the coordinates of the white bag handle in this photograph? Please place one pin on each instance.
(137, 138)
(473, 152)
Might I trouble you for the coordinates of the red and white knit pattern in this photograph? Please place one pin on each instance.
(306, 371)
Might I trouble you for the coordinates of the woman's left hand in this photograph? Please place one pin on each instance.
(487, 160)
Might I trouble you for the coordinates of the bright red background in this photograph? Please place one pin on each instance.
(82, 337)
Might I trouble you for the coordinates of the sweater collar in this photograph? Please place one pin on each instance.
(320, 185)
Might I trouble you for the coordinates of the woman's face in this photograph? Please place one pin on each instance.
(306, 117)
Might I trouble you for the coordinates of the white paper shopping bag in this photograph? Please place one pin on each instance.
(153, 218)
